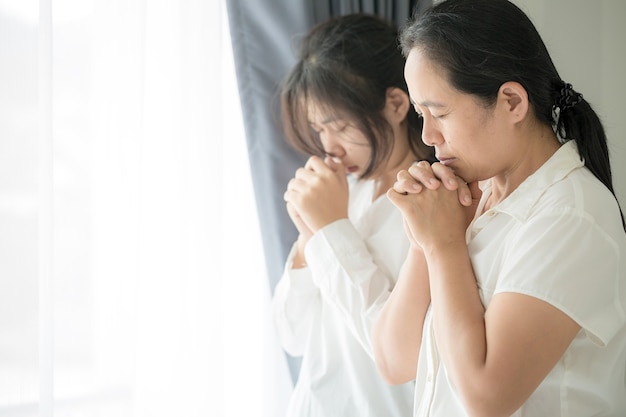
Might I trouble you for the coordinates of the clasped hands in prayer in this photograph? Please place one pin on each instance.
(434, 215)
(316, 196)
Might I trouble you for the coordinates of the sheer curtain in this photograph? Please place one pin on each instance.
(130, 256)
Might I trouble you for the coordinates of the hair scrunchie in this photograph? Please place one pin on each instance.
(568, 97)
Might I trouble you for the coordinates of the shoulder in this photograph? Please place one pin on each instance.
(581, 194)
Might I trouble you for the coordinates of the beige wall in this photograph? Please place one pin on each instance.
(586, 41)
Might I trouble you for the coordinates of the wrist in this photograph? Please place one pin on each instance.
(442, 250)
(298, 264)
(299, 260)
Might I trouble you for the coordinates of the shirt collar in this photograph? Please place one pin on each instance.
(519, 203)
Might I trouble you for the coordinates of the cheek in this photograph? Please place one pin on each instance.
(365, 154)
(326, 144)
(356, 155)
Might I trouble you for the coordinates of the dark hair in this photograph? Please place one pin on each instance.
(345, 66)
(481, 44)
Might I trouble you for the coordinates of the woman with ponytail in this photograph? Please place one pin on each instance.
(527, 294)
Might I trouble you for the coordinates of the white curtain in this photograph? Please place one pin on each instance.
(131, 278)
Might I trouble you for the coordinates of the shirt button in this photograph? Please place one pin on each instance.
(491, 213)
(429, 378)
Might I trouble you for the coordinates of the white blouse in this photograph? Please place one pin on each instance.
(558, 237)
(325, 312)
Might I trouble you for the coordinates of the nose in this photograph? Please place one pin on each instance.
(431, 136)
(331, 146)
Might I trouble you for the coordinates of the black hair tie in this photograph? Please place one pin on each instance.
(568, 97)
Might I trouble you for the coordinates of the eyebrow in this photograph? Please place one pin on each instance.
(329, 119)
(427, 103)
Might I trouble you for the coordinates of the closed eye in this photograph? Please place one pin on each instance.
(414, 104)
(441, 116)
(338, 126)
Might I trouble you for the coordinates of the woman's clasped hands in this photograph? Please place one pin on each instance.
(317, 195)
(434, 214)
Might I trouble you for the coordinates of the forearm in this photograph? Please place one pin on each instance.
(295, 301)
(299, 260)
(458, 315)
(397, 332)
(355, 276)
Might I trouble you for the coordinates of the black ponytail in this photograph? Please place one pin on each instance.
(575, 119)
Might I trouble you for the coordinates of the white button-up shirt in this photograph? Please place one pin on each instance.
(558, 237)
(325, 312)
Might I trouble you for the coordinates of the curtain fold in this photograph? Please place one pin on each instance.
(46, 212)
(397, 10)
(124, 195)
(265, 35)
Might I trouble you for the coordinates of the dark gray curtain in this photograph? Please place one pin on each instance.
(265, 35)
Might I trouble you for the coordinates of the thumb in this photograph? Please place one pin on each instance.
(475, 190)
(338, 168)
(332, 163)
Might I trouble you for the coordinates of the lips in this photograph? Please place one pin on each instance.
(352, 169)
(446, 161)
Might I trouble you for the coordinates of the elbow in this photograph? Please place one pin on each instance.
(395, 374)
(287, 338)
(487, 410)
(489, 401)
(393, 363)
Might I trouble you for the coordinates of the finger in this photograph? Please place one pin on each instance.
(294, 187)
(447, 176)
(336, 166)
(423, 173)
(475, 190)
(291, 210)
(304, 174)
(453, 182)
(340, 172)
(407, 188)
(405, 183)
(316, 164)
(465, 195)
(394, 196)
(297, 220)
(398, 199)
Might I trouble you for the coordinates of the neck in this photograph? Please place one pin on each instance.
(538, 148)
(400, 159)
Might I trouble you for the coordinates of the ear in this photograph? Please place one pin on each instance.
(513, 100)
(397, 105)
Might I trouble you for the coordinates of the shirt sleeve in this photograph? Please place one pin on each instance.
(353, 275)
(567, 260)
(294, 307)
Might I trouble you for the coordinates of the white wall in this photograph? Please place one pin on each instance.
(585, 39)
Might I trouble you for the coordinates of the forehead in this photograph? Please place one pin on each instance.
(320, 114)
(314, 112)
(425, 80)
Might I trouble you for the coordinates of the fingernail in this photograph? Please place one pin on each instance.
(467, 199)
